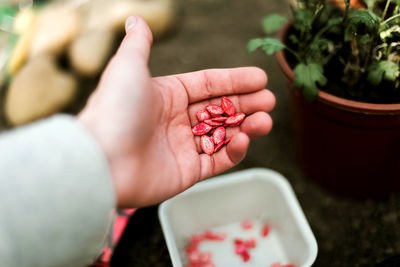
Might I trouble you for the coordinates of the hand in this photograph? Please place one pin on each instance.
(143, 124)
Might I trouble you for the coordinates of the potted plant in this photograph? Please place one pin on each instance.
(342, 60)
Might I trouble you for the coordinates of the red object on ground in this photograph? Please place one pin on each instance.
(265, 230)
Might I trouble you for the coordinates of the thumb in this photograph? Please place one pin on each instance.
(137, 42)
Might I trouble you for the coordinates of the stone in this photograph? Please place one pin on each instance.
(56, 26)
(38, 90)
(89, 52)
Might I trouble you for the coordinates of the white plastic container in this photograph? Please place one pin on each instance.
(222, 202)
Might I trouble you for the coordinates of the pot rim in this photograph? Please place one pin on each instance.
(332, 100)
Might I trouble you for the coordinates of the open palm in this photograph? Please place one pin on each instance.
(144, 124)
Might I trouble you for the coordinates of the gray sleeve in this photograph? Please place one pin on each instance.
(56, 195)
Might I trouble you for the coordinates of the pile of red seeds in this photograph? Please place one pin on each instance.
(197, 258)
(242, 247)
(213, 121)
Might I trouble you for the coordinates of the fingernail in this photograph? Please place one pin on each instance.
(130, 22)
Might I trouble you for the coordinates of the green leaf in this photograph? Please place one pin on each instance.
(358, 17)
(334, 21)
(375, 74)
(370, 3)
(7, 11)
(254, 44)
(303, 19)
(386, 69)
(392, 70)
(321, 51)
(293, 38)
(273, 23)
(268, 45)
(272, 46)
(389, 32)
(307, 77)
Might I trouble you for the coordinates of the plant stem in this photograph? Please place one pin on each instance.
(391, 18)
(385, 11)
(346, 11)
(320, 32)
(293, 53)
(388, 51)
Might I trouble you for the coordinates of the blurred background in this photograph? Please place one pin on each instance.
(69, 42)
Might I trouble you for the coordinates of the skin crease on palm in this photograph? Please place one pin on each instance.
(143, 124)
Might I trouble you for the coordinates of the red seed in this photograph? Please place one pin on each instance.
(219, 119)
(201, 128)
(240, 247)
(251, 243)
(235, 119)
(205, 257)
(215, 110)
(227, 140)
(213, 123)
(236, 124)
(203, 115)
(213, 236)
(276, 264)
(195, 239)
(245, 256)
(265, 230)
(218, 135)
(247, 225)
(227, 106)
(207, 144)
(194, 256)
(288, 265)
(219, 146)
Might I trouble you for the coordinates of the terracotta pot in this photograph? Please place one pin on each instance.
(351, 148)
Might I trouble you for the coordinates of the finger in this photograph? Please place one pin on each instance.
(226, 158)
(137, 42)
(255, 125)
(205, 84)
(262, 100)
